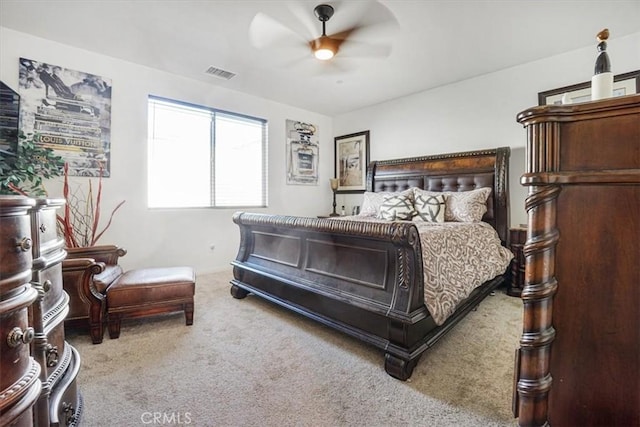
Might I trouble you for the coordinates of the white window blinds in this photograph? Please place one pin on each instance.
(202, 157)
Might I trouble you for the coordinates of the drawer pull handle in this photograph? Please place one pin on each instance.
(17, 336)
(24, 244)
(43, 228)
(51, 355)
(69, 413)
(43, 287)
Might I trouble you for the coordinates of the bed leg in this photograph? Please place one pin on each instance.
(237, 292)
(399, 368)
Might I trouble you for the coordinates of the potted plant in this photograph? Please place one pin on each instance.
(24, 166)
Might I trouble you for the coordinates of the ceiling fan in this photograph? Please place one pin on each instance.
(358, 29)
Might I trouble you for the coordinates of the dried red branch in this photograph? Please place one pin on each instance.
(16, 189)
(95, 239)
(80, 223)
(96, 217)
(67, 229)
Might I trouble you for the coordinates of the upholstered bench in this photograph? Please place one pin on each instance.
(150, 291)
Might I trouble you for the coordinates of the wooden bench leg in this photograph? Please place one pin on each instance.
(188, 313)
(114, 326)
(97, 331)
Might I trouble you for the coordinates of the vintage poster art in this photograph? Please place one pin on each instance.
(302, 153)
(70, 111)
(352, 159)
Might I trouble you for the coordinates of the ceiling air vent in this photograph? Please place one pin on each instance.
(218, 72)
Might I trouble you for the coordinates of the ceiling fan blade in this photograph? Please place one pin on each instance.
(371, 36)
(343, 35)
(357, 49)
(267, 32)
(363, 19)
(303, 13)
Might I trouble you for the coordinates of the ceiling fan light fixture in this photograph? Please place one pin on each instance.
(324, 48)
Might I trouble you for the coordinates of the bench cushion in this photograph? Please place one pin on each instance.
(151, 285)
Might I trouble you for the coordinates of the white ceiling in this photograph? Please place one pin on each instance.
(433, 43)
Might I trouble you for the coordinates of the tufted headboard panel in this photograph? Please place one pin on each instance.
(451, 172)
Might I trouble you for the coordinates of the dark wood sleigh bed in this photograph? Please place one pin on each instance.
(365, 279)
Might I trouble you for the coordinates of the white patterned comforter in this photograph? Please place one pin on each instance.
(457, 257)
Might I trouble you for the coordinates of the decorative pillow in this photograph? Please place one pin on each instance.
(462, 206)
(429, 208)
(397, 207)
(372, 201)
(467, 206)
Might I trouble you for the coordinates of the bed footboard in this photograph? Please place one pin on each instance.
(364, 279)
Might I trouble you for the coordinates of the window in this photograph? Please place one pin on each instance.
(202, 157)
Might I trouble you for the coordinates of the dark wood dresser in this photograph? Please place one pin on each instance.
(579, 358)
(31, 246)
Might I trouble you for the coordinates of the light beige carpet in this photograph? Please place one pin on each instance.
(251, 363)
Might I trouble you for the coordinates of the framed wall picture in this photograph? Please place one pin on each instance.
(352, 159)
(623, 84)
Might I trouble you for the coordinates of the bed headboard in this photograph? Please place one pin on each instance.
(451, 172)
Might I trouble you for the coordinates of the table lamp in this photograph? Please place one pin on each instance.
(334, 186)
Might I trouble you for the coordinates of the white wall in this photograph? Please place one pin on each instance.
(478, 113)
(472, 114)
(173, 237)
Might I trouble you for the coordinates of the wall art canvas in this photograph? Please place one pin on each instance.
(302, 153)
(9, 114)
(70, 111)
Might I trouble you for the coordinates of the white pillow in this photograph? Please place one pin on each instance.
(429, 208)
(462, 206)
(397, 208)
(371, 201)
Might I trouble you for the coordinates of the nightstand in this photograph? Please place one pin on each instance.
(517, 239)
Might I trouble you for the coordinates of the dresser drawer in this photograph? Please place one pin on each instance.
(20, 413)
(55, 351)
(52, 278)
(25, 419)
(46, 228)
(65, 402)
(15, 252)
(16, 360)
